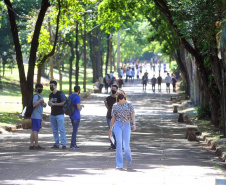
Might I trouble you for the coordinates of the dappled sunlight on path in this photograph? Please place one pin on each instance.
(160, 153)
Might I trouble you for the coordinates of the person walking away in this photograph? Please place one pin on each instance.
(109, 102)
(56, 102)
(130, 74)
(159, 66)
(121, 72)
(141, 69)
(153, 82)
(122, 113)
(36, 117)
(138, 74)
(174, 81)
(120, 82)
(168, 81)
(101, 81)
(127, 74)
(164, 67)
(137, 63)
(145, 81)
(159, 81)
(133, 74)
(75, 117)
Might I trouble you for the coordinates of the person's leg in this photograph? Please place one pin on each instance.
(54, 126)
(32, 139)
(126, 131)
(36, 138)
(60, 122)
(118, 135)
(75, 124)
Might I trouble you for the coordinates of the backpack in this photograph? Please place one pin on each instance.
(68, 107)
(29, 108)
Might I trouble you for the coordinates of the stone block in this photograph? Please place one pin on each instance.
(181, 117)
(26, 124)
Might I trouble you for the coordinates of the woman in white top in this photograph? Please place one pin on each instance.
(122, 113)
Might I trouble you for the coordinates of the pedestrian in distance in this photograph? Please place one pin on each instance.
(159, 81)
(75, 117)
(153, 82)
(138, 74)
(145, 80)
(159, 67)
(133, 74)
(168, 81)
(36, 117)
(174, 81)
(122, 113)
(120, 82)
(121, 72)
(109, 102)
(56, 102)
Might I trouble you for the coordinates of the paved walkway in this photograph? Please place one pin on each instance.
(161, 155)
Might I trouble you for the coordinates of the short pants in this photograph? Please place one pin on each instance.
(36, 124)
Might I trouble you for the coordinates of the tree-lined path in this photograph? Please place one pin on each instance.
(160, 153)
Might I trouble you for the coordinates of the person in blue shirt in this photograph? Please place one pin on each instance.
(75, 118)
(36, 117)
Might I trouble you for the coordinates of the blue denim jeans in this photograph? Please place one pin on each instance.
(57, 124)
(75, 124)
(122, 133)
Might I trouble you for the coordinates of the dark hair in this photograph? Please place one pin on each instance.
(115, 86)
(53, 82)
(77, 88)
(38, 85)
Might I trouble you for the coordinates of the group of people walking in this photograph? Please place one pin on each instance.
(158, 80)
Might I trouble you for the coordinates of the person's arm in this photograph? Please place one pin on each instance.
(112, 124)
(106, 103)
(35, 104)
(133, 121)
(79, 106)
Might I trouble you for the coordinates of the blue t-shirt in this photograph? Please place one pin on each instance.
(38, 110)
(76, 100)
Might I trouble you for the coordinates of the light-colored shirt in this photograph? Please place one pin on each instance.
(122, 112)
(38, 110)
(168, 79)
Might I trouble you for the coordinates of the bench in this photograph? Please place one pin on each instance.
(175, 108)
(96, 90)
(220, 182)
(192, 132)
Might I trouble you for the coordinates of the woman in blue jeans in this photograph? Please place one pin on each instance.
(122, 113)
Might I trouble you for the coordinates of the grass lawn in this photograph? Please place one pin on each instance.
(11, 98)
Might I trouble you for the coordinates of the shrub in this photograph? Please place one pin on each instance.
(203, 111)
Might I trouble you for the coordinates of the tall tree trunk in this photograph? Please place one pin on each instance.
(183, 70)
(70, 66)
(91, 54)
(108, 51)
(26, 85)
(77, 56)
(85, 61)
